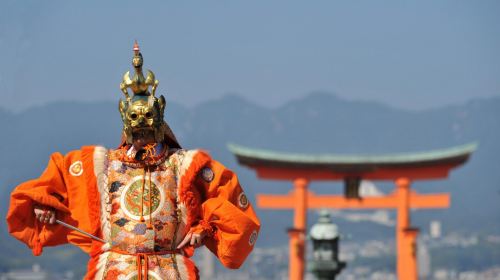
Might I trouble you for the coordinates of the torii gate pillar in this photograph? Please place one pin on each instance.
(405, 235)
(298, 233)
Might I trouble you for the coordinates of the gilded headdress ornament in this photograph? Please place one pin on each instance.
(138, 84)
(142, 113)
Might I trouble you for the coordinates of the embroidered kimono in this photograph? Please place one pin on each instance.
(143, 210)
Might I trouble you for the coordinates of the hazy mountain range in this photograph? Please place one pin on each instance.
(317, 123)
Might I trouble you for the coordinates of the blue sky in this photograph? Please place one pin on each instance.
(409, 54)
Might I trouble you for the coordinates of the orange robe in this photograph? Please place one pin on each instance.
(209, 198)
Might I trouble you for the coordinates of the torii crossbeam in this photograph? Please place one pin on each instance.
(401, 169)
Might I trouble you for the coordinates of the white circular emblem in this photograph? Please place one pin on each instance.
(253, 238)
(207, 174)
(76, 168)
(130, 199)
(243, 200)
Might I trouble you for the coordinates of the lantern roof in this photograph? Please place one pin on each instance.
(324, 229)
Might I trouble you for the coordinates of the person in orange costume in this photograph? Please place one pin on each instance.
(149, 200)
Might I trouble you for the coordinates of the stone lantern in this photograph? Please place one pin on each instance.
(325, 238)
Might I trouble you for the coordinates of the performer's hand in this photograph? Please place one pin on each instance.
(45, 214)
(194, 239)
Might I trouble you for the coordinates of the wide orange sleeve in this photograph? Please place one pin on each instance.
(48, 190)
(56, 188)
(226, 215)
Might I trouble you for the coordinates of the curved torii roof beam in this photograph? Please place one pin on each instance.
(417, 165)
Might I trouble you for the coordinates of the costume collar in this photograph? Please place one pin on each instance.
(151, 155)
(157, 148)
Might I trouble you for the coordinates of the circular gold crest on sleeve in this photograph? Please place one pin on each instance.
(76, 168)
(243, 200)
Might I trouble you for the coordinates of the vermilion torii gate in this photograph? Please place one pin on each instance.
(400, 168)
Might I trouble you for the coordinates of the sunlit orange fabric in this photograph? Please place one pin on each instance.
(53, 184)
(214, 206)
(233, 224)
